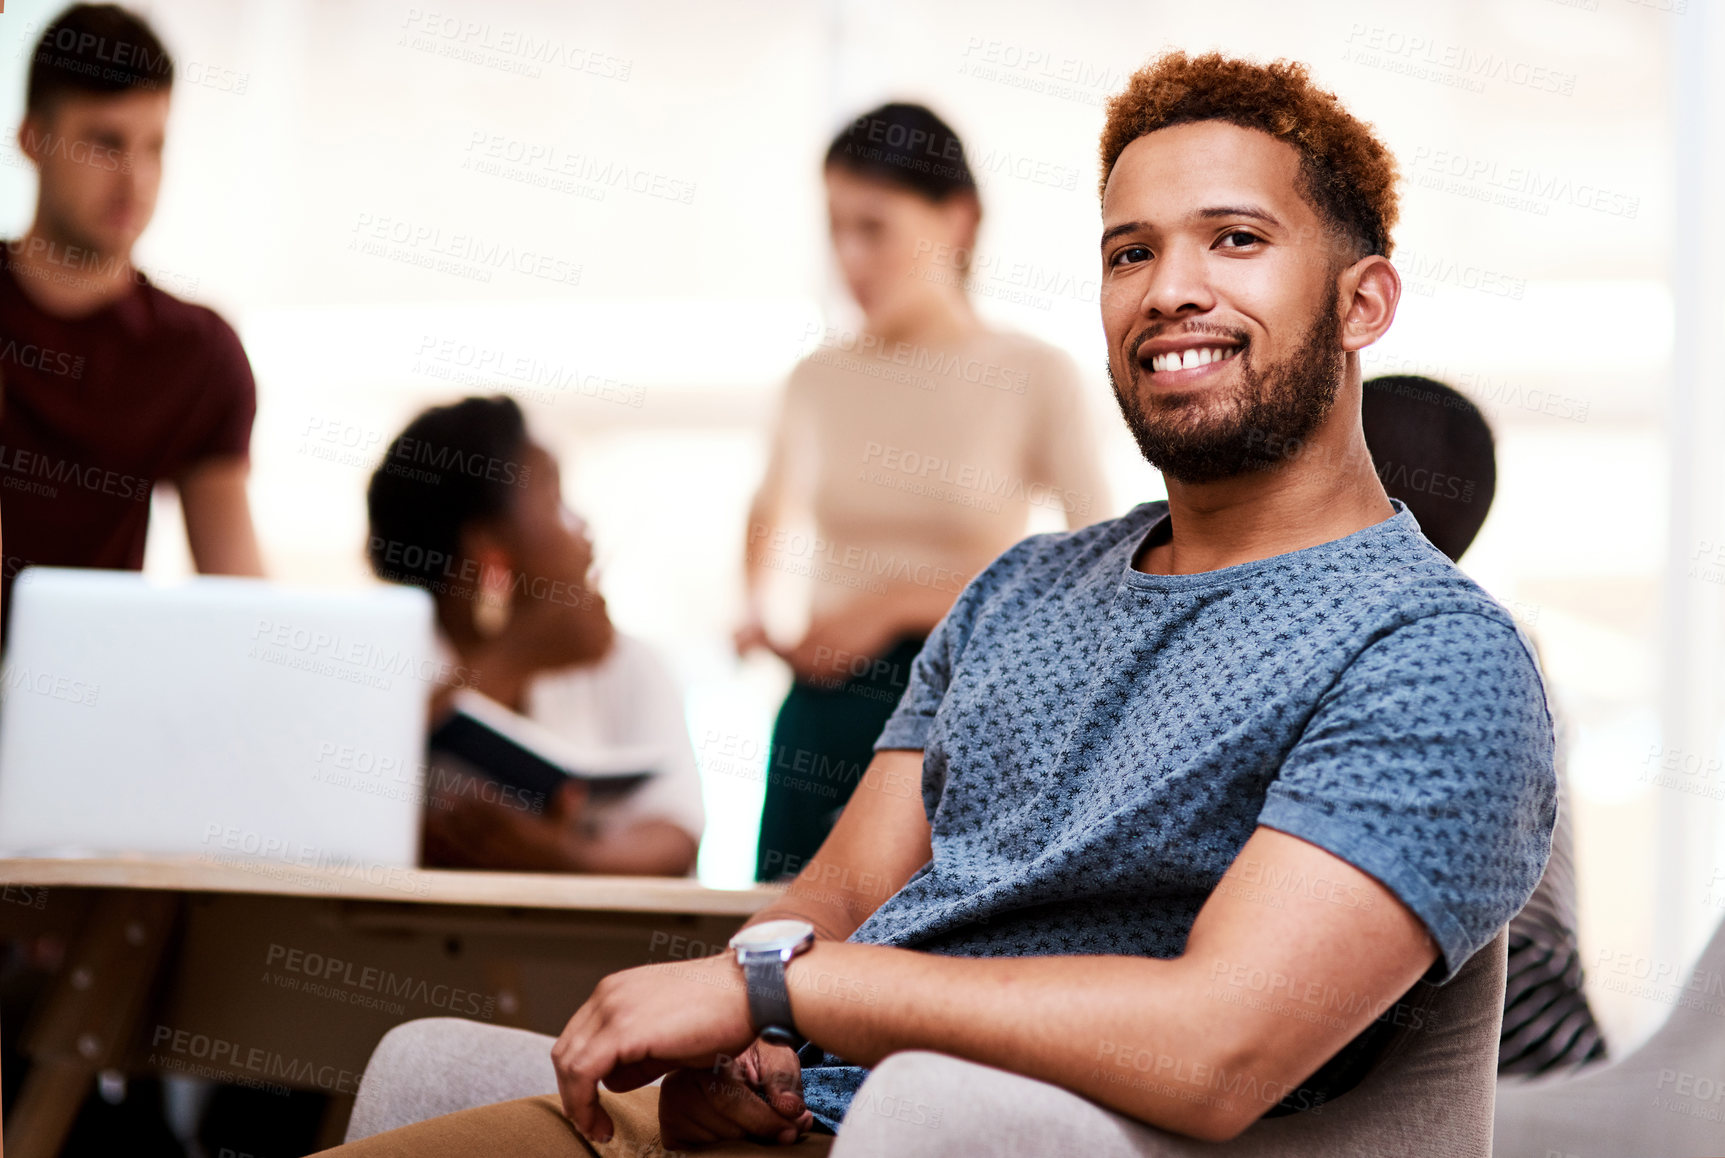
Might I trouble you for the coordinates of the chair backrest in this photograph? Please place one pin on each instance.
(1432, 1091)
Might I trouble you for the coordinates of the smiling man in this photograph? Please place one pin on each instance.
(111, 384)
(1262, 729)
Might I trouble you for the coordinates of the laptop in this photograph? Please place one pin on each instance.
(217, 718)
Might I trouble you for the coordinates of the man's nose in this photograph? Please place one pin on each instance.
(1179, 284)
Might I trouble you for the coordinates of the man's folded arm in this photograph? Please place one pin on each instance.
(1272, 983)
(880, 841)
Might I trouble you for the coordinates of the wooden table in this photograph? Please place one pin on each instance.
(283, 977)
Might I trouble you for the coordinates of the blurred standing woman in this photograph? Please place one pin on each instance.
(916, 448)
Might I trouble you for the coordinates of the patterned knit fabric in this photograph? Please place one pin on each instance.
(1100, 743)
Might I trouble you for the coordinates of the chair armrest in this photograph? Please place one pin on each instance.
(919, 1104)
(438, 1065)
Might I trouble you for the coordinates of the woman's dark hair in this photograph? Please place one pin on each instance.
(1432, 449)
(453, 466)
(905, 145)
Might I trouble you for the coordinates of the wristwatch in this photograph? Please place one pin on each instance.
(763, 951)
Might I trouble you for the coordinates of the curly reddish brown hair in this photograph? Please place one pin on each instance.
(1347, 174)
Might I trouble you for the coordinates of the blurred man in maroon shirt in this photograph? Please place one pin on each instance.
(110, 384)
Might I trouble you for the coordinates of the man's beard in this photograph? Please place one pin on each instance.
(1200, 439)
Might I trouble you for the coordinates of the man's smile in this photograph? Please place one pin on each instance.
(1180, 361)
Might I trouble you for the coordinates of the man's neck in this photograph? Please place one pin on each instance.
(1326, 492)
(65, 279)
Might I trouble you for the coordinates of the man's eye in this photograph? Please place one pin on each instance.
(1131, 255)
(1236, 238)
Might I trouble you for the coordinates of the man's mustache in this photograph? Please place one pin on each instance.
(1168, 329)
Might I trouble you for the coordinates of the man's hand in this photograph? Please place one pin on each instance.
(643, 1023)
(758, 1096)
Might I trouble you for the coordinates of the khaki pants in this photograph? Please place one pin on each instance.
(536, 1128)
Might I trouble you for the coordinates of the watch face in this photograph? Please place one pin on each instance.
(773, 934)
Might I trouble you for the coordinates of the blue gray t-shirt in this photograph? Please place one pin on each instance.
(1099, 743)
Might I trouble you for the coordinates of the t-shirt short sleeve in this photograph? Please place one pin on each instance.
(627, 706)
(231, 398)
(1428, 765)
(931, 672)
(674, 794)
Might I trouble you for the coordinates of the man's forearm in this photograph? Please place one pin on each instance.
(218, 518)
(880, 841)
(830, 895)
(832, 917)
(1139, 1035)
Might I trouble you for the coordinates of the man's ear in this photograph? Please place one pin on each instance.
(1369, 291)
(32, 135)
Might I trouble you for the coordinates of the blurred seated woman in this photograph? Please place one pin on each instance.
(467, 506)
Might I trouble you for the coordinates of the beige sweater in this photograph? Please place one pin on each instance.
(920, 464)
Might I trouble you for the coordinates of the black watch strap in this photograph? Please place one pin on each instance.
(770, 1001)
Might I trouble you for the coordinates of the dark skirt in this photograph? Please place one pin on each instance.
(823, 740)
